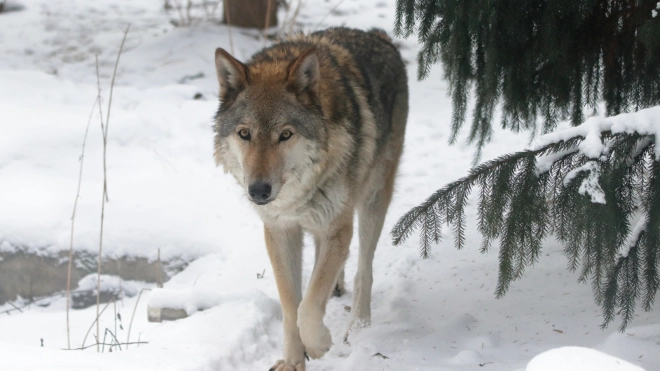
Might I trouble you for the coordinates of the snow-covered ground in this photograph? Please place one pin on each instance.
(165, 193)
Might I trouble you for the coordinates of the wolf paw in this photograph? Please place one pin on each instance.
(284, 366)
(317, 341)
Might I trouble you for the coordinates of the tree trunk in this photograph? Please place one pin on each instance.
(251, 13)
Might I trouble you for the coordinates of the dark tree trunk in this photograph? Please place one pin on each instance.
(251, 13)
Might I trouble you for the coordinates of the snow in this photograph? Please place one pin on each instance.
(589, 184)
(189, 300)
(108, 283)
(578, 359)
(645, 122)
(545, 162)
(166, 193)
(640, 226)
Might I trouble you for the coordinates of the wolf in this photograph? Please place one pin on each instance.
(313, 128)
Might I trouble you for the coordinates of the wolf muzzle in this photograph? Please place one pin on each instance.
(260, 192)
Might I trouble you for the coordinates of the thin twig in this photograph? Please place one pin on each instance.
(159, 271)
(114, 337)
(228, 20)
(103, 199)
(330, 12)
(128, 337)
(89, 346)
(39, 299)
(121, 285)
(267, 23)
(215, 8)
(98, 98)
(105, 334)
(292, 21)
(188, 17)
(19, 309)
(73, 219)
(115, 308)
(179, 9)
(107, 119)
(96, 321)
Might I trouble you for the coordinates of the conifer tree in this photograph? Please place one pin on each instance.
(596, 186)
(540, 60)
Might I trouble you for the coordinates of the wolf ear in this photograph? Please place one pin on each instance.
(232, 75)
(304, 73)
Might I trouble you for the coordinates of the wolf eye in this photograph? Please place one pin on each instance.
(286, 135)
(244, 134)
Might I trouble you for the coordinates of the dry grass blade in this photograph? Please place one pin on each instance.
(128, 337)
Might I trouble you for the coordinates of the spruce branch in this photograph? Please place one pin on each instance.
(541, 61)
(587, 202)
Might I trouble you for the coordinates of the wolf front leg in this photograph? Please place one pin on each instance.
(340, 287)
(285, 251)
(334, 242)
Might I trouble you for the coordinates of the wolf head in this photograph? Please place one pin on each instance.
(269, 127)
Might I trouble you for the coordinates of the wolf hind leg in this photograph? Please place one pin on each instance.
(371, 216)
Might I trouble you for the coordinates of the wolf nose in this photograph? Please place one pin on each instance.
(259, 192)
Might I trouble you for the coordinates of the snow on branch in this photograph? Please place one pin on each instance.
(643, 122)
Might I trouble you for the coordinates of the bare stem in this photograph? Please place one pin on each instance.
(228, 19)
(73, 219)
(330, 12)
(98, 279)
(96, 321)
(128, 337)
(267, 23)
(107, 120)
(292, 21)
(105, 197)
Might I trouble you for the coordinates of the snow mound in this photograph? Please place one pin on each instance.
(189, 300)
(578, 359)
(113, 284)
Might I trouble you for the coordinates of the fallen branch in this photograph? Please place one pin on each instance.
(91, 345)
(32, 301)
